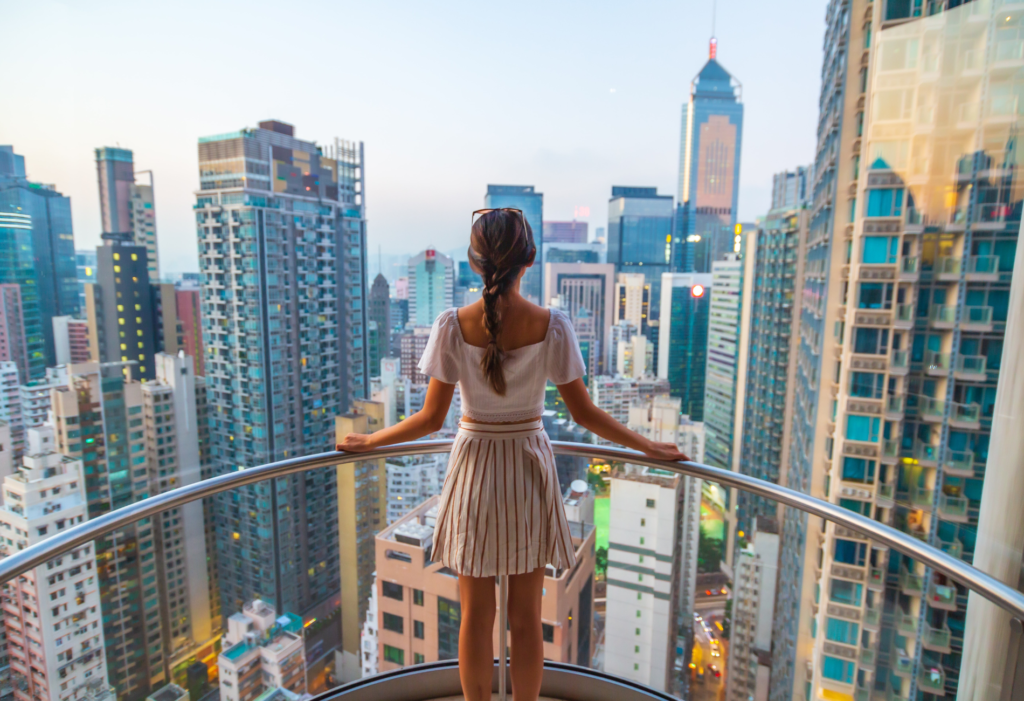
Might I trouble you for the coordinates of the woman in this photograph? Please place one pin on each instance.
(500, 511)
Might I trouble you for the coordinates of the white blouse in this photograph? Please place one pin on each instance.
(450, 359)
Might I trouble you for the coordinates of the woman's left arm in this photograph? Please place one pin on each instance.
(427, 420)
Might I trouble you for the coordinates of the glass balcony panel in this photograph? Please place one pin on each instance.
(948, 266)
(936, 362)
(983, 265)
(971, 364)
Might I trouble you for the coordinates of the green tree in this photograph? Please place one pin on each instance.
(727, 620)
(601, 561)
(709, 552)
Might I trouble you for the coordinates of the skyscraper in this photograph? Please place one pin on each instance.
(127, 207)
(431, 286)
(793, 189)
(286, 348)
(683, 338)
(531, 203)
(188, 309)
(709, 160)
(773, 347)
(41, 258)
(92, 414)
(640, 235)
(911, 314)
(590, 287)
(85, 268)
(380, 312)
(123, 322)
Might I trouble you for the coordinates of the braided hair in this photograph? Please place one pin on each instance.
(500, 246)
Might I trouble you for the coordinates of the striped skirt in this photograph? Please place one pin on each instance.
(501, 507)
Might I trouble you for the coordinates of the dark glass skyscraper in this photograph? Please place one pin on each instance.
(640, 234)
(532, 203)
(683, 341)
(709, 162)
(54, 274)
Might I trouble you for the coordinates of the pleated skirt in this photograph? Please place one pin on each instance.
(501, 509)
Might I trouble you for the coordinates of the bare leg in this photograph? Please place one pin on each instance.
(476, 632)
(524, 599)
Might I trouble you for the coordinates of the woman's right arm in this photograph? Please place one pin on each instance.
(427, 420)
(589, 416)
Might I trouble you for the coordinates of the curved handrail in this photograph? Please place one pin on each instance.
(987, 586)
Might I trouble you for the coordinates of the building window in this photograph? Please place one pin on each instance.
(850, 552)
(449, 616)
(844, 592)
(417, 630)
(841, 631)
(417, 658)
(394, 654)
(650, 503)
(392, 590)
(417, 597)
(394, 623)
(548, 632)
(837, 669)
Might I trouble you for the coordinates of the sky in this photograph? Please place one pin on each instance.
(571, 97)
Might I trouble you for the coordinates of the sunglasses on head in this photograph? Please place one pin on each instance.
(480, 212)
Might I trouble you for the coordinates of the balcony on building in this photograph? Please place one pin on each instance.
(936, 364)
(976, 319)
(953, 508)
(903, 317)
(971, 368)
(958, 463)
(942, 596)
(910, 269)
(899, 362)
(966, 416)
(942, 316)
(911, 583)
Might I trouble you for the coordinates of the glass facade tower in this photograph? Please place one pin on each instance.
(532, 204)
(683, 338)
(640, 235)
(282, 250)
(54, 273)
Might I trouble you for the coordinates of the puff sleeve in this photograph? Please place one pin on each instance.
(439, 358)
(564, 361)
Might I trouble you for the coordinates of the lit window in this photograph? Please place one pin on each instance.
(117, 256)
(124, 346)
(135, 256)
(120, 307)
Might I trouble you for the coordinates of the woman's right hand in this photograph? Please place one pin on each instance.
(664, 451)
(355, 443)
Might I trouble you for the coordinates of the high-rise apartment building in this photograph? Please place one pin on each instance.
(188, 310)
(750, 638)
(361, 514)
(411, 345)
(13, 345)
(918, 220)
(126, 206)
(589, 287)
(98, 419)
(411, 480)
(285, 348)
(659, 419)
(565, 232)
(170, 422)
(773, 348)
(639, 235)
(41, 259)
(709, 162)
(644, 552)
(418, 600)
(793, 189)
(130, 318)
(431, 286)
(71, 340)
(380, 312)
(35, 396)
(262, 652)
(683, 338)
(531, 203)
(58, 602)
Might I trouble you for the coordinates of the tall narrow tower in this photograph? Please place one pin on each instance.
(127, 206)
(709, 162)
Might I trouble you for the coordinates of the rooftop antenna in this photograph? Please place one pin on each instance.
(380, 260)
(713, 44)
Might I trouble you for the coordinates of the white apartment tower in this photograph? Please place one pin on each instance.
(57, 603)
(750, 642)
(643, 564)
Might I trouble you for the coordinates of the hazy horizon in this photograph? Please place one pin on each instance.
(572, 98)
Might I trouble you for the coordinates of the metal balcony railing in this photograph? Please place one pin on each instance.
(433, 680)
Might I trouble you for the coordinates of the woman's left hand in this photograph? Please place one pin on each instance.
(355, 443)
(665, 451)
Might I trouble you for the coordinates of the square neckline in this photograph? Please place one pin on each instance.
(462, 338)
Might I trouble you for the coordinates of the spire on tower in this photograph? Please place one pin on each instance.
(713, 44)
(713, 48)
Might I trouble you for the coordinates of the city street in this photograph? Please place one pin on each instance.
(712, 688)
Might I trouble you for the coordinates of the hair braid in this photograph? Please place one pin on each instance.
(499, 249)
